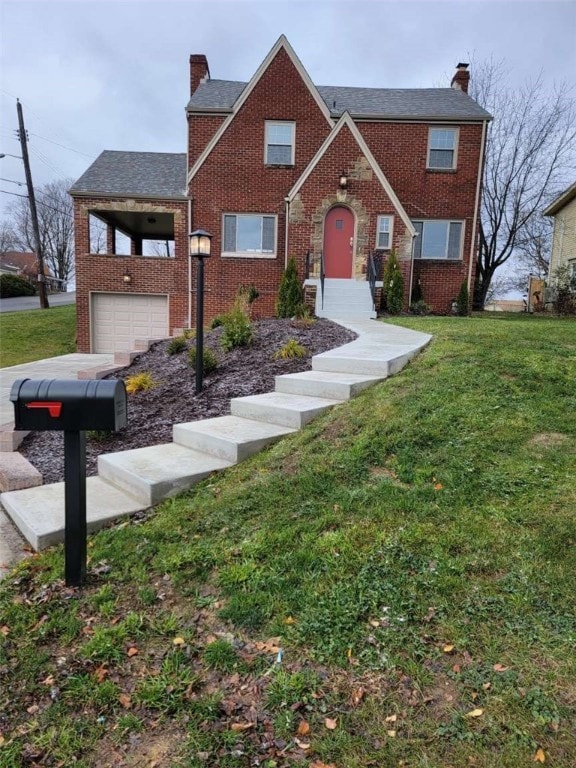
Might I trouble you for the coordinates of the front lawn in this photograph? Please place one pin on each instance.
(36, 334)
(391, 586)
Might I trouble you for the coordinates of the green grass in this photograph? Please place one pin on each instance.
(361, 587)
(36, 334)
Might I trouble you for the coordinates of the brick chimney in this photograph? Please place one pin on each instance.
(199, 70)
(461, 78)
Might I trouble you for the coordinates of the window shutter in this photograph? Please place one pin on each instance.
(268, 245)
(418, 226)
(230, 234)
(454, 238)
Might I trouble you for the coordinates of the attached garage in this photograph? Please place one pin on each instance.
(118, 319)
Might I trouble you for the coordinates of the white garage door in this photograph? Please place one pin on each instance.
(118, 319)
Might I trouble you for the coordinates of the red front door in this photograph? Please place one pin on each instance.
(338, 242)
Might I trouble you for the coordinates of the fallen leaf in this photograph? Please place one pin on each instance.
(540, 756)
(320, 764)
(457, 668)
(241, 726)
(500, 668)
(391, 718)
(486, 686)
(438, 487)
(133, 651)
(100, 673)
(475, 713)
(32, 709)
(125, 700)
(48, 680)
(302, 744)
(374, 623)
(270, 646)
(178, 641)
(2, 740)
(289, 620)
(392, 734)
(448, 648)
(303, 728)
(4, 630)
(331, 724)
(357, 696)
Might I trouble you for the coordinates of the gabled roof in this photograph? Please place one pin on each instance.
(346, 120)
(245, 91)
(566, 197)
(135, 174)
(382, 103)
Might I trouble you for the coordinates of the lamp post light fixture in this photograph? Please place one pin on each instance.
(343, 180)
(7, 154)
(199, 248)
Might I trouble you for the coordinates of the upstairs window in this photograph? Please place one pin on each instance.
(442, 146)
(438, 240)
(247, 234)
(384, 233)
(280, 143)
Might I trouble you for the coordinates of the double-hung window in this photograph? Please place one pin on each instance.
(438, 240)
(442, 148)
(384, 232)
(249, 234)
(280, 143)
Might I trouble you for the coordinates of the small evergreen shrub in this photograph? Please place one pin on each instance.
(189, 333)
(99, 435)
(15, 285)
(140, 382)
(291, 350)
(237, 328)
(176, 345)
(209, 360)
(419, 308)
(463, 300)
(417, 293)
(290, 293)
(217, 322)
(393, 285)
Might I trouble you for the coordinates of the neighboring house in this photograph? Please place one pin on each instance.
(25, 264)
(563, 209)
(279, 167)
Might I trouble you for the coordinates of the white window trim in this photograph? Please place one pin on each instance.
(456, 142)
(250, 254)
(445, 258)
(293, 144)
(390, 218)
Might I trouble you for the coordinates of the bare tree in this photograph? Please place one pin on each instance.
(56, 223)
(8, 240)
(530, 155)
(532, 253)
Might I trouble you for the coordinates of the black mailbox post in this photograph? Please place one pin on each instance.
(71, 407)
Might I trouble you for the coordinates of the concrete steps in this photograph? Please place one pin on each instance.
(280, 408)
(231, 438)
(345, 299)
(154, 473)
(130, 481)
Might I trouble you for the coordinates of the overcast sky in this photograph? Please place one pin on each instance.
(114, 75)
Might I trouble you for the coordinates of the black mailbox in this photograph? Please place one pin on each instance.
(69, 405)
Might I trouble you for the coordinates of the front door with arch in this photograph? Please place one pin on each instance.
(338, 242)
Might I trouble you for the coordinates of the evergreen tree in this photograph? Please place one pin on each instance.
(393, 285)
(290, 293)
(463, 300)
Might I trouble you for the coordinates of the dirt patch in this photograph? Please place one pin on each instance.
(548, 439)
(243, 371)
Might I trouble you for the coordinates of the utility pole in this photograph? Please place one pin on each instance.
(33, 211)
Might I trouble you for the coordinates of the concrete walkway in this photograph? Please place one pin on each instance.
(134, 480)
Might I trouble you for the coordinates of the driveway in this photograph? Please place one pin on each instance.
(23, 303)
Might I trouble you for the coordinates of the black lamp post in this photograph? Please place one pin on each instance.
(200, 249)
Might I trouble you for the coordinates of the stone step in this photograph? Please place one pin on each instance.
(229, 437)
(39, 512)
(154, 473)
(280, 408)
(337, 386)
(346, 313)
(354, 359)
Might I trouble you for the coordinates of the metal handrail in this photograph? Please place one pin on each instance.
(307, 268)
(322, 276)
(372, 278)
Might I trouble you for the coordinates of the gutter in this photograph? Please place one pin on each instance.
(477, 204)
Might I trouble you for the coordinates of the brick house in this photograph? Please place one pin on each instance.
(278, 167)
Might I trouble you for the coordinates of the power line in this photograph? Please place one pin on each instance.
(69, 149)
(20, 183)
(38, 202)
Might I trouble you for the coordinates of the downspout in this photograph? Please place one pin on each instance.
(474, 237)
(189, 266)
(287, 214)
(414, 236)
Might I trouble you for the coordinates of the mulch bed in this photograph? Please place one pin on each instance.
(242, 371)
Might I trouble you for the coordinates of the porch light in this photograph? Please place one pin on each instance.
(200, 244)
(343, 180)
(127, 277)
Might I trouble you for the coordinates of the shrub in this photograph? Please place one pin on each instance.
(290, 293)
(290, 350)
(15, 285)
(176, 345)
(565, 288)
(189, 333)
(393, 285)
(419, 308)
(417, 293)
(463, 300)
(304, 317)
(249, 292)
(217, 321)
(237, 328)
(209, 360)
(99, 435)
(140, 382)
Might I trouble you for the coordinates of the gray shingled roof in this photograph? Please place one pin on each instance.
(142, 174)
(439, 103)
